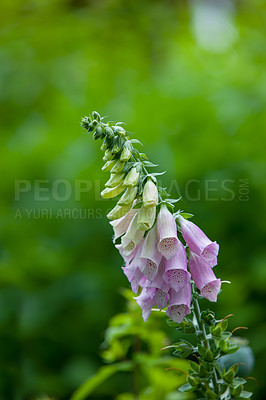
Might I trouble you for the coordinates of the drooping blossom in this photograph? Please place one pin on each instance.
(150, 256)
(132, 237)
(146, 300)
(204, 277)
(121, 225)
(162, 288)
(179, 303)
(176, 274)
(131, 268)
(167, 232)
(198, 242)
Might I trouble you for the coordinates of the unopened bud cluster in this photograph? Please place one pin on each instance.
(126, 167)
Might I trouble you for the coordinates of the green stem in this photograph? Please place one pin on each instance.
(206, 341)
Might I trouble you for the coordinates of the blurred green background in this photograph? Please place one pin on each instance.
(189, 79)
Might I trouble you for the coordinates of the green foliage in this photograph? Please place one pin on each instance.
(207, 375)
(133, 347)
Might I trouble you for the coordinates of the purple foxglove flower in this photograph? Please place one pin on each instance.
(179, 303)
(131, 256)
(132, 236)
(150, 256)
(135, 277)
(162, 288)
(176, 274)
(121, 225)
(131, 269)
(146, 300)
(198, 242)
(204, 277)
(167, 232)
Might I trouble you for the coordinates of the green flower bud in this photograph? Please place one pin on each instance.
(85, 122)
(114, 180)
(108, 155)
(117, 145)
(146, 217)
(109, 132)
(125, 155)
(105, 144)
(118, 212)
(150, 194)
(108, 165)
(229, 376)
(131, 178)
(118, 167)
(217, 330)
(119, 130)
(129, 196)
(96, 115)
(109, 193)
(236, 391)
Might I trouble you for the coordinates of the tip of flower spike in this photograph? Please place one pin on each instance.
(211, 290)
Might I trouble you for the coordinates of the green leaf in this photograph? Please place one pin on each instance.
(186, 215)
(104, 373)
(162, 192)
(136, 141)
(158, 173)
(149, 164)
(143, 155)
(173, 200)
(186, 388)
(245, 395)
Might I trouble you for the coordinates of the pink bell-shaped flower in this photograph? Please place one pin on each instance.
(167, 232)
(198, 242)
(204, 277)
